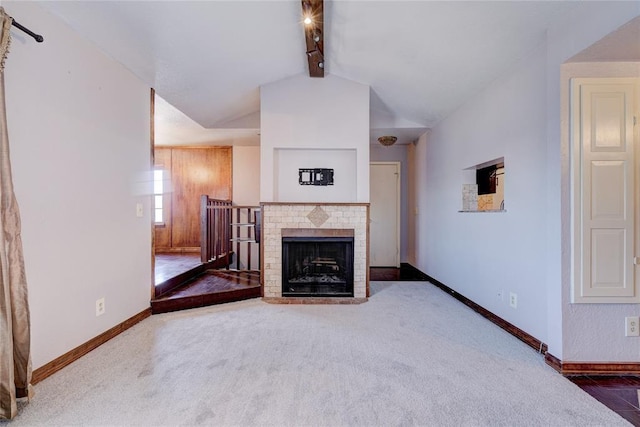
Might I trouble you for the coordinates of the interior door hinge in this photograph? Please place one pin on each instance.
(636, 260)
(635, 120)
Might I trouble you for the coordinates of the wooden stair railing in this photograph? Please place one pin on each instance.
(214, 229)
(228, 229)
(245, 235)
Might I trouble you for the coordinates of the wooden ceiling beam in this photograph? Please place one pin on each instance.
(314, 35)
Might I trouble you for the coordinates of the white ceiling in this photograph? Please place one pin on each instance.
(422, 59)
(622, 45)
(173, 127)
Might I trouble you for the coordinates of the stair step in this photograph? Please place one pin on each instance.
(210, 287)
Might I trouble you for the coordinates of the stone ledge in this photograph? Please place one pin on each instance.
(317, 232)
(483, 211)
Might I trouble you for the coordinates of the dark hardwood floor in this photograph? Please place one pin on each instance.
(171, 265)
(406, 272)
(618, 393)
(183, 282)
(208, 288)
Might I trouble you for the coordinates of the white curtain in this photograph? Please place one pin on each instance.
(15, 329)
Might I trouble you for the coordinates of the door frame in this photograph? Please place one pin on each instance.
(398, 165)
(152, 146)
(572, 105)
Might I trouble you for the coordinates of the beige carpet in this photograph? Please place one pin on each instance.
(412, 355)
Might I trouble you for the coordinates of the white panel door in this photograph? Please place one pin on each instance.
(384, 214)
(605, 198)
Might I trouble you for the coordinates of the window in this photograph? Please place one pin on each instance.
(158, 188)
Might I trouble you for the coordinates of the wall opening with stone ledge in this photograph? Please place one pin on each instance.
(313, 220)
(483, 187)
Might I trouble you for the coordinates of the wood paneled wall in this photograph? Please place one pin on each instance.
(192, 172)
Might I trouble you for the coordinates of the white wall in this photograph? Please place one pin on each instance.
(246, 192)
(397, 153)
(79, 133)
(304, 115)
(527, 249)
(421, 198)
(596, 341)
(288, 162)
(478, 254)
(569, 36)
(246, 175)
(412, 206)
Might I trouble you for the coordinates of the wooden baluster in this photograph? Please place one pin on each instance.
(214, 227)
(215, 230)
(238, 237)
(209, 223)
(215, 252)
(224, 231)
(258, 230)
(228, 233)
(249, 247)
(220, 229)
(212, 224)
(203, 228)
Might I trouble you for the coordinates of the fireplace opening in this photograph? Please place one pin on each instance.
(317, 266)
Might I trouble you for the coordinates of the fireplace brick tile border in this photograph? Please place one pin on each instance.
(277, 216)
(315, 300)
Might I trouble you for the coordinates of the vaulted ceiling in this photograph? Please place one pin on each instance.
(422, 59)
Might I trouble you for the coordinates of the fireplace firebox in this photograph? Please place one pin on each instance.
(317, 266)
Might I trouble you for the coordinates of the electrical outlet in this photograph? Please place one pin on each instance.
(631, 327)
(513, 300)
(100, 307)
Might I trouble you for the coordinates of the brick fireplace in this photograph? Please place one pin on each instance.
(314, 222)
